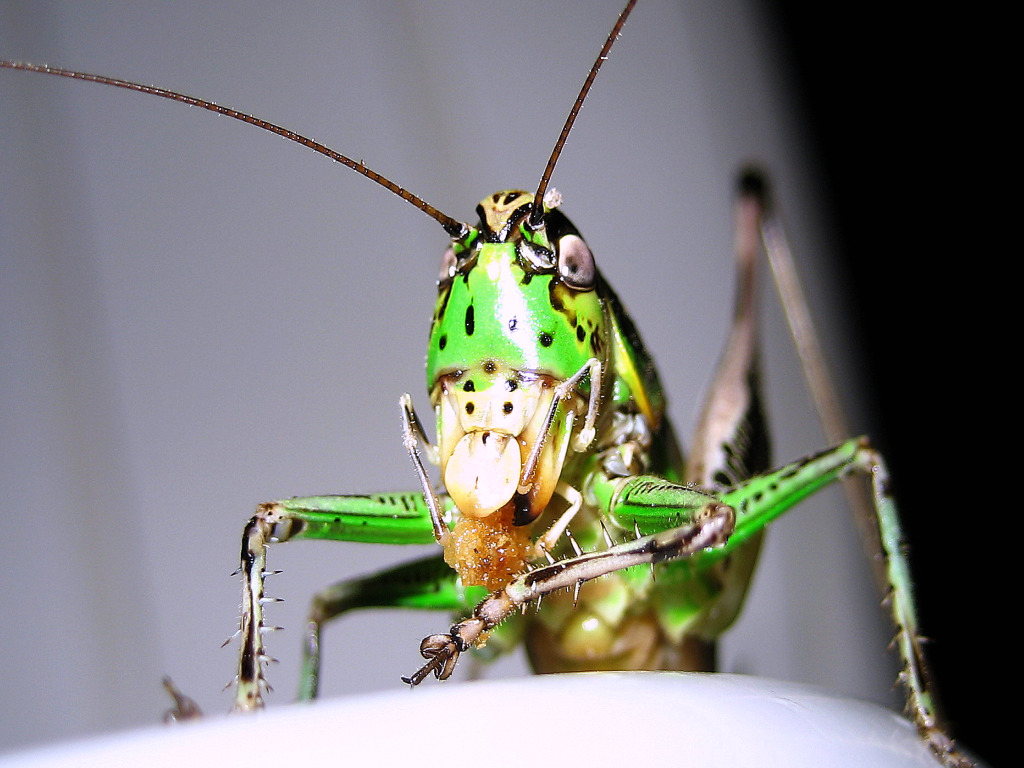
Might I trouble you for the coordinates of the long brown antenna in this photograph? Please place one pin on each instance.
(452, 227)
(537, 211)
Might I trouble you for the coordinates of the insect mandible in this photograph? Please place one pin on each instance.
(272, 438)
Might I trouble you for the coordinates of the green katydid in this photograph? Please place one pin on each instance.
(584, 379)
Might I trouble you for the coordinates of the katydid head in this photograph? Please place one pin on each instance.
(518, 314)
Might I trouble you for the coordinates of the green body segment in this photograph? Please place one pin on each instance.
(528, 322)
(427, 584)
(391, 518)
(766, 497)
(650, 504)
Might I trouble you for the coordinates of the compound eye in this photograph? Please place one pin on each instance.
(448, 268)
(576, 263)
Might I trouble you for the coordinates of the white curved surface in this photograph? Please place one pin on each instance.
(693, 719)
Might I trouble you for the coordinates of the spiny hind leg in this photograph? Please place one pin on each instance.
(400, 518)
(731, 441)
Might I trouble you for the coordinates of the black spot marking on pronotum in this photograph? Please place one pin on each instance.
(470, 322)
(490, 366)
(581, 333)
(469, 410)
(546, 339)
(512, 385)
(507, 407)
(443, 341)
(469, 386)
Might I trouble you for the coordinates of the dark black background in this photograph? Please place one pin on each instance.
(894, 101)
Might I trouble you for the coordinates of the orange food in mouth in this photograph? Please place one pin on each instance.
(488, 551)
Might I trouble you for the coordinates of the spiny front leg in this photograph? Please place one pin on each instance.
(385, 518)
(252, 658)
(711, 527)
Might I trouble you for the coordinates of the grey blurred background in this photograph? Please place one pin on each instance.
(198, 316)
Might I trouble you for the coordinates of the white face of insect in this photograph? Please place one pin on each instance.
(198, 317)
